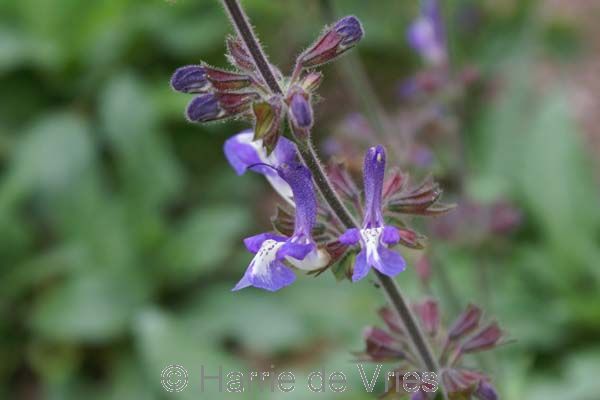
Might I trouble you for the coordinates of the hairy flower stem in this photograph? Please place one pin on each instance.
(309, 157)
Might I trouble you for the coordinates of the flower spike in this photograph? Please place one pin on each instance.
(458, 382)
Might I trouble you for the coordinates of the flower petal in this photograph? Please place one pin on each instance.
(373, 174)
(266, 271)
(300, 180)
(295, 250)
(390, 235)
(279, 277)
(244, 282)
(350, 237)
(254, 243)
(389, 263)
(240, 152)
(361, 268)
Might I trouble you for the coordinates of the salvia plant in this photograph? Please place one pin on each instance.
(328, 220)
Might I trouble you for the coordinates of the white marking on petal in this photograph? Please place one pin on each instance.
(280, 186)
(371, 240)
(316, 259)
(264, 257)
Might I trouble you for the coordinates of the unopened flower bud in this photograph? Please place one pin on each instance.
(420, 395)
(423, 267)
(381, 346)
(300, 111)
(204, 108)
(466, 322)
(411, 239)
(190, 79)
(350, 29)
(336, 40)
(222, 80)
(485, 339)
(238, 55)
(310, 82)
(235, 103)
(213, 106)
(485, 391)
(430, 316)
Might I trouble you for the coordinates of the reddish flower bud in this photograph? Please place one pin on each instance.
(486, 339)
(310, 82)
(235, 103)
(238, 55)
(391, 320)
(460, 380)
(466, 322)
(336, 40)
(222, 80)
(421, 200)
(393, 184)
(381, 346)
(429, 313)
(411, 239)
(423, 267)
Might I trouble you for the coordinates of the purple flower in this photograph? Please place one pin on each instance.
(268, 270)
(243, 153)
(426, 34)
(374, 237)
(190, 79)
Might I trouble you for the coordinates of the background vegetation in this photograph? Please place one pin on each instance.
(120, 223)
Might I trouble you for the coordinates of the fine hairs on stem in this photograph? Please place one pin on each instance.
(308, 155)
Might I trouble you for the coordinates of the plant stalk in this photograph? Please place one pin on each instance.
(309, 157)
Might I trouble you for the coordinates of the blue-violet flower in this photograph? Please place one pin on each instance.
(374, 237)
(267, 269)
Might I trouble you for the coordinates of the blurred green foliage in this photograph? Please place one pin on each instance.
(121, 223)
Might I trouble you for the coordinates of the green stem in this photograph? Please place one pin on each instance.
(309, 157)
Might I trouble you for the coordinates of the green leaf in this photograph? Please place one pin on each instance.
(203, 241)
(90, 307)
